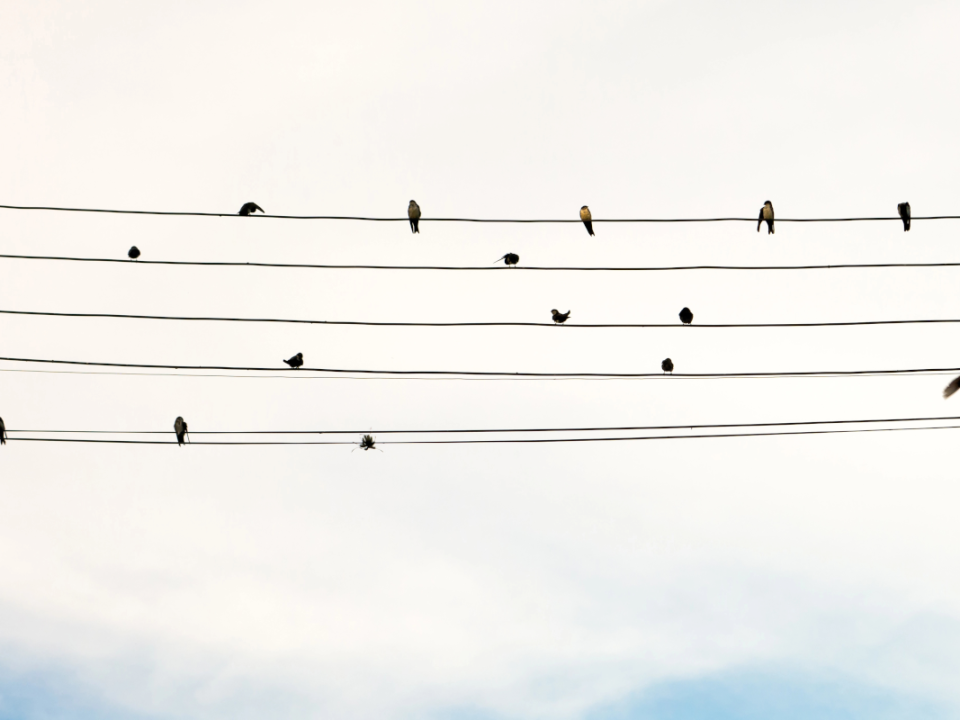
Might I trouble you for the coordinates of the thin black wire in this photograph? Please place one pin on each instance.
(508, 441)
(623, 428)
(473, 268)
(369, 323)
(491, 373)
(468, 220)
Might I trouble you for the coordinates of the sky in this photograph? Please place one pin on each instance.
(739, 578)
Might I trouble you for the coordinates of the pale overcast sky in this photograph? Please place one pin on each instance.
(783, 578)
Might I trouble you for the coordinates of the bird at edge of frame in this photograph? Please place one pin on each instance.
(180, 428)
(3, 433)
(296, 361)
(951, 388)
(766, 214)
(667, 365)
(686, 317)
(413, 212)
(560, 318)
(904, 210)
(510, 259)
(133, 253)
(249, 208)
(587, 219)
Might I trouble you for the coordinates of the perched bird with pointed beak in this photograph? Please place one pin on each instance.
(3, 433)
(951, 388)
(296, 361)
(249, 208)
(180, 428)
(667, 365)
(559, 317)
(587, 219)
(510, 259)
(766, 213)
(686, 317)
(904, 210)
(413, 212)
(133, 253)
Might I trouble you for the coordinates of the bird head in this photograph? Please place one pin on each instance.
(554, 312)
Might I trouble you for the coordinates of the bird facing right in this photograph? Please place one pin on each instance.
(133, 253)
(686, 317)
(667, 365)
(413, 212)
(587, 219)
(559, 317)
(510, 259)
(180, 428)
(904, 210)
(296, 361)
(249, 208)
(766, 213)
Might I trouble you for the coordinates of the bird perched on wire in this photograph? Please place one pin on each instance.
(667, 365)
(133, 253)
(3, 433)
(296, 361)
(510, 259)
(559, 317)
(587, 219)
(904, 210)
(686, 317)
(413, 212)
(766, 213)
(951, 388)
(180, 428)
(249, 208)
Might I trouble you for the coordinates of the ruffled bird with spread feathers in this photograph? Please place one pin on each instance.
(180, 428)
(686, 317)
(510, 259)
(904, 210)
(587, 219)
(249, 208)
(413, 212)
(559, 317)
(766, 213)
(296, 361)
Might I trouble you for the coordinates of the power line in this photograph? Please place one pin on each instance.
(507, 441)
(371, 323)
(470, 220)
(497, 373)
(474, 268)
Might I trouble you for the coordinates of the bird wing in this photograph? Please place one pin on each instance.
(951, 388)
(257, 207)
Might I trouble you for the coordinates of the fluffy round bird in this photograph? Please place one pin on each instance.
(766, 214)
(180, 428)
(904, 210)
(686, 317)
(296, 361)
(133, 253)
(559, 317)
(413, 212)
(510, 259)
(667, 365)
(587, 219)
(249, 208)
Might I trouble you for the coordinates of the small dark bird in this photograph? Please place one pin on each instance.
(180, 428)
(3, 433)
(766, 213)
(367, 442)
(413, 212)
(904, 210)
(133, 253)
(667, 365)
(510, 259)
(296, 361)
(249, 208)
(951, 388)
(559, 317)
(686, 317)
(587, 219)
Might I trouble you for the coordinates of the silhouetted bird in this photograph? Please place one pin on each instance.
(296, 361)
(133, 253)
(413, 212)
(367, 442)
(904, 210)
(766, 213)
(686, 317)
(180, 428)
(587, 219)
(510, 259)
(3, 433)
(667, 365)
(559, 317)
(951, 388)
(250, 207)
